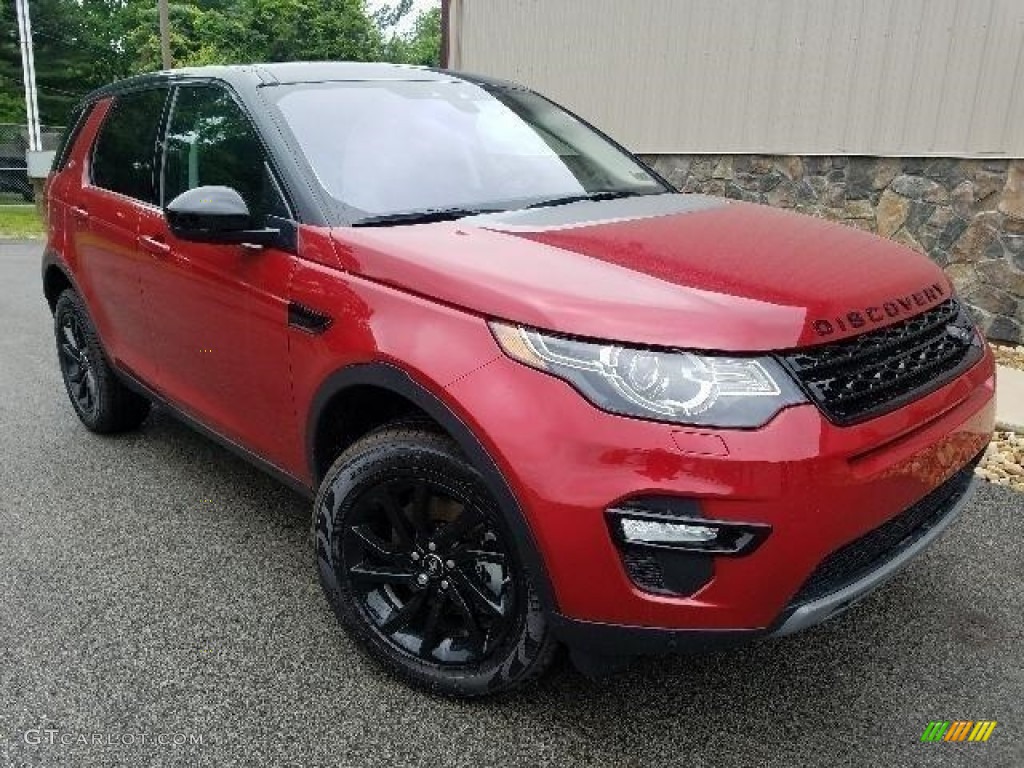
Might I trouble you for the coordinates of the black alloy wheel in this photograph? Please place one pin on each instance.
(421, 569)
(429, 572)
(75, 364)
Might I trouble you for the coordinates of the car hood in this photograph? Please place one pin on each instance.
(669, 270)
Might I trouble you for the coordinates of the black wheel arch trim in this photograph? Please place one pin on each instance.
(53, 260)
(609, 640)
(390, 377)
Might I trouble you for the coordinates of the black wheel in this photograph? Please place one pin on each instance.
(102, 402)
(418, 564)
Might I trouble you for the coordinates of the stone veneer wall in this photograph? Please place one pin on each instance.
(967, 215)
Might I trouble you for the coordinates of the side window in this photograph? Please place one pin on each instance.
(210, 142)
(79, 117)
(124, 157)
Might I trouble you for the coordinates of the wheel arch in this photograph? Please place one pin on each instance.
(56, 279)
(388, 378)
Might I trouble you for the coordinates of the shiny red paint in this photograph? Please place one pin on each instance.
(216, 333)
(206, 327)
(739, 277)
(816, 484)
(101, 249)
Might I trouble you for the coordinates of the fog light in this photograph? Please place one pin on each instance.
(659, 532)
(660, 528)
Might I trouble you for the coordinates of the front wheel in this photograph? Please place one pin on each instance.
(419, 566)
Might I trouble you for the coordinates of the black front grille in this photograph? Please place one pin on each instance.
(872, 550)
(877, 372)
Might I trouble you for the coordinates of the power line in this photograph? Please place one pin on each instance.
(43, 87)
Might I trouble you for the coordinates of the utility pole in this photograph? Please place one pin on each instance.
(28, 68)
(165, 35)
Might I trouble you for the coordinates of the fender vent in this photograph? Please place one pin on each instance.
(308, 319)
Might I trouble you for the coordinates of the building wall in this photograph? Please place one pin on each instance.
(967, 215)
(903, 117)
(833, 77)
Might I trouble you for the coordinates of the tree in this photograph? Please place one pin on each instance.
(83, 44)
(424, 44)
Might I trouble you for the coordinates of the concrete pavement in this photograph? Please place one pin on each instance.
(1009, 399)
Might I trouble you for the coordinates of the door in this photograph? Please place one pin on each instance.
(219, 314)
(118, 183)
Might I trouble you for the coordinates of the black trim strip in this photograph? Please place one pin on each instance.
(595, 637)
(239, 450)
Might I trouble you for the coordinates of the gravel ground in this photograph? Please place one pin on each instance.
(155, 585)
(1004, 462)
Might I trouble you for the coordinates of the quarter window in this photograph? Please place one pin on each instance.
(79, 117)
(124, 158)
(210, 142)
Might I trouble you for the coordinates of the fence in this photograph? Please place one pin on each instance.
(14, 184)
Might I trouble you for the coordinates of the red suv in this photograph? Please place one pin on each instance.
(539, 397)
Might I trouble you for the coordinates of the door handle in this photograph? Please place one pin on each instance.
(79, 213)
(153, 245)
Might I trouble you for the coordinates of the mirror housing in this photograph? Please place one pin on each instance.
(215, 215)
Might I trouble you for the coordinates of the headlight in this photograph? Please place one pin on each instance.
(679, 387)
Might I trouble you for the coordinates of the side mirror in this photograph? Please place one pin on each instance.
(215, 215)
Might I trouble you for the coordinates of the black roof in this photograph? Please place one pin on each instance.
(281, 73)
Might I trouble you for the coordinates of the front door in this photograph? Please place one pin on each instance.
(219, 314)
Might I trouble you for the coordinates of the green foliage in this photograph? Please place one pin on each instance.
(83, 44)
(422, 46)
(20, 221)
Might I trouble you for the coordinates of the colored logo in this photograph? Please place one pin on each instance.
(958, 730)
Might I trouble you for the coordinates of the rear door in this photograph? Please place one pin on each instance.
(219, 313)
(118, 183)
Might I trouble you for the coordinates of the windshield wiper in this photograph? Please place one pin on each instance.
(428, 215)
(601, 194)
(424, 216)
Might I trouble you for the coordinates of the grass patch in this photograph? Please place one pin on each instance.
(20, 221)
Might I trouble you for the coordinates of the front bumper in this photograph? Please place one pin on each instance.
(616, 640)
(818, 486)
(806, 614)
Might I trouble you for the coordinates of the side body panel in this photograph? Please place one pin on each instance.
(100, 247)
(433, 343)
(218, 323)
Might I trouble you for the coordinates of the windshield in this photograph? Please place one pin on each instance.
(393, 147)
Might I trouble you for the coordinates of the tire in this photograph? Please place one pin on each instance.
(420, 568)
(101, 401)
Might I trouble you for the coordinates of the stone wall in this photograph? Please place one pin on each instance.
(967, 215)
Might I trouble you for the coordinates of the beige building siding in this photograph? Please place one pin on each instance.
(863, 77)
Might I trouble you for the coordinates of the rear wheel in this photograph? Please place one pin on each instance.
(417, 562)
(102, 402)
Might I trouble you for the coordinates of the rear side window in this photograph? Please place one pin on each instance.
(124, 158)
(79, 117)
(211, 142)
